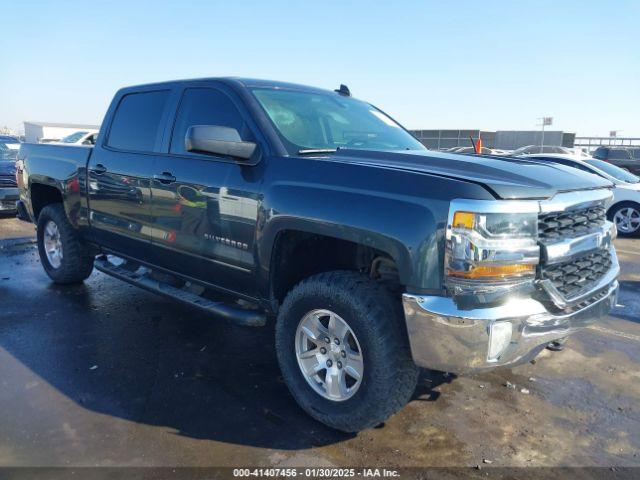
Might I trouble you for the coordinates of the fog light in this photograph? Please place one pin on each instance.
(499, 338)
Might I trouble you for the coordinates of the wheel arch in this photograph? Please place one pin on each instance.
(333, 249)
(43, 194)
(612, 208)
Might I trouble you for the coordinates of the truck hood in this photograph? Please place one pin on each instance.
(504, 177)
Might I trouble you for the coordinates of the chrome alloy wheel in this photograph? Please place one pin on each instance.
(53, 244)
(627, 220)
(329, 355)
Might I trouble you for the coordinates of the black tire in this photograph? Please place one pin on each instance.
(622, 206)
(77, 262)
(390, 376)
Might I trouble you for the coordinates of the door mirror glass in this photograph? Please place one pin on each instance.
(218, 140)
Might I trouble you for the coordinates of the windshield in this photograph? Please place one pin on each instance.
(309, 121)
(74, 137)
(615, 172)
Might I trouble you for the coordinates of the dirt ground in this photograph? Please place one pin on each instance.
(106, 374)
(11, 227)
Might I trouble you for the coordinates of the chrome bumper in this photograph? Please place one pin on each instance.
(443, 337)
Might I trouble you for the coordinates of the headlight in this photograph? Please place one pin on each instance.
(488, 250)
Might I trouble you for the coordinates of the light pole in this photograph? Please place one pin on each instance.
(612, 136)
(544, 122)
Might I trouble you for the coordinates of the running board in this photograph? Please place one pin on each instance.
(140, 278)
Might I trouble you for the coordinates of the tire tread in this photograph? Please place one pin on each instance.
(77, 262)
(396, 376)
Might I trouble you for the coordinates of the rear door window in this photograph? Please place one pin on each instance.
(136, 125)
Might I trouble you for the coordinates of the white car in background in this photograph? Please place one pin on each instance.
(81, 137)
(624, 211)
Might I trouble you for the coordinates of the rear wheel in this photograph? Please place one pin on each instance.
(626, 216)
(343, 350)
(65, 258)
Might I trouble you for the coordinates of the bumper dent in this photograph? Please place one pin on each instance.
(443, 337)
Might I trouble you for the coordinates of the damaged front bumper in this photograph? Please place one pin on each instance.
(444, 337)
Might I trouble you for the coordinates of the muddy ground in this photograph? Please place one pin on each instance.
(107, 374)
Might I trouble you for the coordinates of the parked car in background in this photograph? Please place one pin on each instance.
(8, 186)
(500, 151)
(625, 209)
(11, 142)
(623, 157)
(533, 149)
(82, 137)
(483, 150)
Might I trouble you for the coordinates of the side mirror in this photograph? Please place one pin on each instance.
(218, 140)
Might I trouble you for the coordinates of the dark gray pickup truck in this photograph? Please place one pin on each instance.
(255, 200)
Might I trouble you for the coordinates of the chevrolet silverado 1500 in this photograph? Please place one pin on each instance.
(255, 200)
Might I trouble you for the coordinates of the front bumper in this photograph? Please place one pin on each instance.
(8, 198)
(444, 337)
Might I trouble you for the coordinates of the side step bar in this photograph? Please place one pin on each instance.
(140, 278)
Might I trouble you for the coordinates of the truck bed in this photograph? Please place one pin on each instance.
(54, 160)
(60, 167)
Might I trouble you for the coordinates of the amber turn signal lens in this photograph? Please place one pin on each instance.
(500, 271)
(463, 220)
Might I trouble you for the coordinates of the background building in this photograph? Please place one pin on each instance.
(441, 139)
(35, 132)
(501, 139)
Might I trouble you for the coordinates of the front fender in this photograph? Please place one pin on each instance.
(406, 228)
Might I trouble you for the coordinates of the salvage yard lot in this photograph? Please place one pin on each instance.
(107, 374)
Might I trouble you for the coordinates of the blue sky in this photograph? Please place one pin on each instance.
(430, 64)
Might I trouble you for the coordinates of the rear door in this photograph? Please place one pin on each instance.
(120, 171)
(205, 207)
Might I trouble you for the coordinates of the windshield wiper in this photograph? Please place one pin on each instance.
(311, 151)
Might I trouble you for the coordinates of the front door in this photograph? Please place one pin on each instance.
(205, 207)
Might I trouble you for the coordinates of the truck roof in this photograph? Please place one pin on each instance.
(233, 82)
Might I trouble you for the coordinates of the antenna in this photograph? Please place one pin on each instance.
(343, 90)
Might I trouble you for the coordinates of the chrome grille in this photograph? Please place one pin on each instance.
(573, 223)
(576, 276)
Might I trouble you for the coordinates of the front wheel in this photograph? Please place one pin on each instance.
(626, 216)
(343, 350)
(65, 258)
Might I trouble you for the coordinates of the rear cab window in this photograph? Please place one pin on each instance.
(137, 123)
